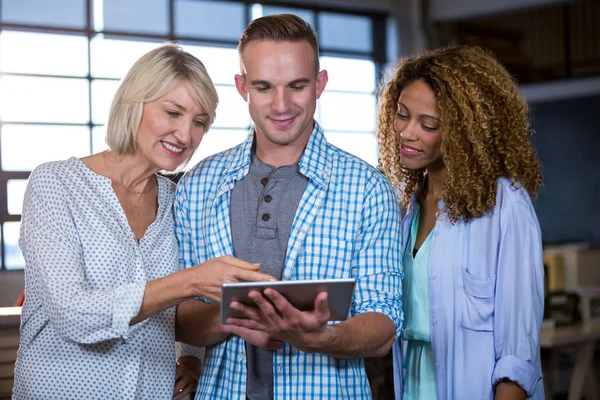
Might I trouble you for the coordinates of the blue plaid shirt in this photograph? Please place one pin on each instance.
(347, 225)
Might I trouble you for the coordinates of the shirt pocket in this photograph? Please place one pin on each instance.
(478, 295)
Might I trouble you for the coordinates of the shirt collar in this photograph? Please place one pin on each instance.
(315, 163)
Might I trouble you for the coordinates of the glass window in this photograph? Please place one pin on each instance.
(348, 112)
(345, 32)
(306, 15)
(347, 74)
(139, 16)
(102, 95)
(45, 143)
(34, 99)
(232, 111)
(222, 64)
(112, 58)
(59, 13)
(15, 192)
(217, 140)
(22, 52)
(99, 139)
(13, 258)
(210, 19)
(363, 145)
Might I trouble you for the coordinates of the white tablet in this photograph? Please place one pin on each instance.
(300, 293)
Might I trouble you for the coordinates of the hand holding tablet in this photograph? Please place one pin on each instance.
(300, 293)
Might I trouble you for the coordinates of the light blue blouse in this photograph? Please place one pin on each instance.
(419, 375)
(486, 291)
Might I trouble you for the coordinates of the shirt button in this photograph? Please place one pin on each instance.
(242, 357)
(266, 217)
(264, 181)
(279, 368)
(434, 321)
(268, 198)
(436, 232)
(437, 365)
(432, 277)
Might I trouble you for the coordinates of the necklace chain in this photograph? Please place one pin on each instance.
(112, 176)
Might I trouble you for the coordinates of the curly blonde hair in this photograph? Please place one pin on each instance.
(484, 123)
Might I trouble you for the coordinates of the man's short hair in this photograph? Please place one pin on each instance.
(152, 76)
(279, 28)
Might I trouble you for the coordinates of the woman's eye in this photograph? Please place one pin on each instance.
(402, 117)
(428, 128)
(199, 123)
(173, 114)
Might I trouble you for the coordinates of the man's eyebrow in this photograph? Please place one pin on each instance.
(259, 82)
(299, 81)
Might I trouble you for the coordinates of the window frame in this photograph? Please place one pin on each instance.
(378, 55)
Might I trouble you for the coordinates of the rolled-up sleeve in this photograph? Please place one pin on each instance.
(519, 299)
(377, 260)
(55, 263)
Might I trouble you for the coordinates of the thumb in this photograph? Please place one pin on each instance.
(251, 276)
(322, 305)
(240, 263)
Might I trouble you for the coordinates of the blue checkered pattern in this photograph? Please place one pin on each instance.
(347, 225)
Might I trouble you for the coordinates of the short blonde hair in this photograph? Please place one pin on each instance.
(152, 76)
(280, 28)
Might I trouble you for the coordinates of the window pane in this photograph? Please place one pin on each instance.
(363, 145)
(217, 140)
(13, 258)
(45, 53)
(306, 15)
(33, 99)
(99, 139)
(232, 111)
(15, 191)
(46, 143)
(352, 75)
(102, 94)
(112, 58)
(139, 16)
(345, 32)
(222, 64)
(348, 112)
(60, 13)
(209, 19)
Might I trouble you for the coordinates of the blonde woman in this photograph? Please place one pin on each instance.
(102, 270)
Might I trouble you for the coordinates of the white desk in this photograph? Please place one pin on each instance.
(582, 338)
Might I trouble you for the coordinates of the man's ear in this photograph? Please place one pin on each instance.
(240, 85)
(322, 79)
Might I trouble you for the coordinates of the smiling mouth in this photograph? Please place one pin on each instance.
(283, 122)
(172, 148)
(410, 150)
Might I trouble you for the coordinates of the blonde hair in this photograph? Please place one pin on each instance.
(152, 76)
(280, 28)
(484, 124)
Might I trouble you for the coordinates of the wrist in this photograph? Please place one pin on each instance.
(321, 341)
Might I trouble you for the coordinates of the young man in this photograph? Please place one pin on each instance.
(303, 209)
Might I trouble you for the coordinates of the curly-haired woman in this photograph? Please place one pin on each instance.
(454, 140)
